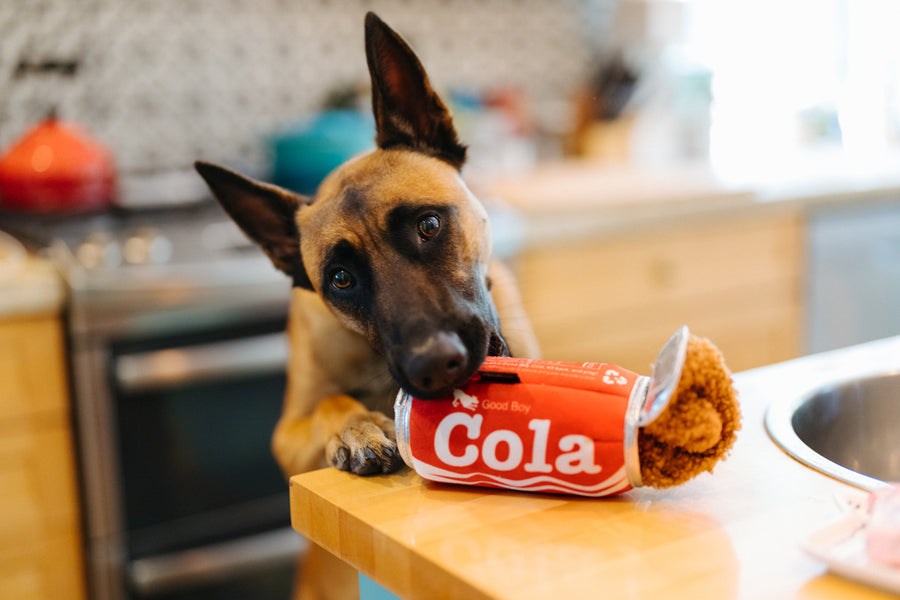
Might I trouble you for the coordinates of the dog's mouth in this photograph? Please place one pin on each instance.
(497, 346)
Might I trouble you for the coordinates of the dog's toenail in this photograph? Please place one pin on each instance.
(341, 459)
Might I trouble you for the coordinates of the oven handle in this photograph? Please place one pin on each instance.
(207, 564)
(190, 364)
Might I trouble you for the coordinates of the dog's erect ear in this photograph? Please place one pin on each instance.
(266, 213)
(408, 113)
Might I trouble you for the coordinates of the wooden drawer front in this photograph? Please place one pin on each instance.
(618, 300)
(48, 569)
(32, 376)
(37, 483)
(40, 538)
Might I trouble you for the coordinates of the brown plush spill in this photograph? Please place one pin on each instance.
(699, 425)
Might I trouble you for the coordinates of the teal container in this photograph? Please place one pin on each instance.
(305, 153)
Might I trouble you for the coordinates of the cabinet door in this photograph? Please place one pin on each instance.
(40, 543)
(854, 276)
(40, 547)
(617, 299)
(32, 376)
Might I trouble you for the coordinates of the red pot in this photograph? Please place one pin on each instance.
(56, 167)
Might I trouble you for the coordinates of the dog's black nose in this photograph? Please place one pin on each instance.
(436, 364)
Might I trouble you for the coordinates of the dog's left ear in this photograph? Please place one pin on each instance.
(266, 213)
(408, 113)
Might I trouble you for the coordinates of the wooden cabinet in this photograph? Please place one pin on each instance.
(736, 279)
(40, 539)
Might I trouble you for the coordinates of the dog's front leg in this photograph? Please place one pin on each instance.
(340, 432)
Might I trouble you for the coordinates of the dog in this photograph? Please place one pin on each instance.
(394, 284)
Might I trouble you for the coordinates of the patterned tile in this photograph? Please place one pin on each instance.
(163, 82)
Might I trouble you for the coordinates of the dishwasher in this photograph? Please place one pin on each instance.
(853, 282)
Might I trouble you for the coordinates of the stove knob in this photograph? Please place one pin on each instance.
(147, 246)
(99, 250)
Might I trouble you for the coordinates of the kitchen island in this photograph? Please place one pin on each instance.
(735, 533)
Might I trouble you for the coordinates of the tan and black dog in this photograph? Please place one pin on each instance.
(394, 283)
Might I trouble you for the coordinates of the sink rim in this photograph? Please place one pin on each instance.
(778, 422)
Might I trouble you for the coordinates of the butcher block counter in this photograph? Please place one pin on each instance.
(736, 533)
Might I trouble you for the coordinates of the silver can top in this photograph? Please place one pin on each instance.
(665, 376)
(402, 408)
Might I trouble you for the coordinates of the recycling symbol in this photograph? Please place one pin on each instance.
(613, 377)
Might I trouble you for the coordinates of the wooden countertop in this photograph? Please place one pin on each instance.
(734, 533)
(578, 198)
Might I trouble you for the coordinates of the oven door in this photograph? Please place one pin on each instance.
(205, 506)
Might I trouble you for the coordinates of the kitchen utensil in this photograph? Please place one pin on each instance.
(305, 153)
(56, 167)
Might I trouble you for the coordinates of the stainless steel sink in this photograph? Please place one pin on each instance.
(848, 430)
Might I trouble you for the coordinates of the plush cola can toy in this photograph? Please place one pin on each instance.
(591, 429)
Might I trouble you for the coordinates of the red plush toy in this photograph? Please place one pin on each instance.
(591, 429)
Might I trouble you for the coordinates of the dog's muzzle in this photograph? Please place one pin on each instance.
(442, 362)
(437, 364)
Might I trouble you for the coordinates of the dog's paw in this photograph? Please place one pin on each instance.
(366, 446)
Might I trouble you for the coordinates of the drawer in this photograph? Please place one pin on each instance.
(762, 329)
(38, 569)
(657, 268)
(38, 494)
(40, 547)
(737, 282)
(32, 377)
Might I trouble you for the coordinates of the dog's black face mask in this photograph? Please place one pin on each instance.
(442, 338)
(414, 279)
(447, 323)
(393, 241)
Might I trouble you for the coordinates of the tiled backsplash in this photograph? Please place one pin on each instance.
(163, 82)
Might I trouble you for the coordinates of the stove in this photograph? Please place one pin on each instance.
(156, 262)
(175, 325)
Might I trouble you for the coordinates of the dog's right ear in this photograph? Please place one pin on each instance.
(408, 112)
(266, 213)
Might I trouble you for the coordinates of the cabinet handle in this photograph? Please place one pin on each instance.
(217, 562)
(177, 366)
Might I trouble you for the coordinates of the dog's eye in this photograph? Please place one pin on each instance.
(341, 279)
(429, 226)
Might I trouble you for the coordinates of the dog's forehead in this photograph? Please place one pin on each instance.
(387, 176)
(360, 194)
